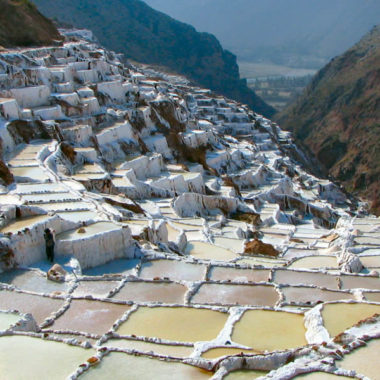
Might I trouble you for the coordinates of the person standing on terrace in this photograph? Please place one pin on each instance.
(49, 241)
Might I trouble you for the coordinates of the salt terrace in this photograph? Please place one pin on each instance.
(189, 242)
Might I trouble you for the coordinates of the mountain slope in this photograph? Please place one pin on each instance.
(21, 24)
(338, 118)
(145, 35)
(269, 30)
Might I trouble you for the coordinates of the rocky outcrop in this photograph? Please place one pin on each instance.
(21, 24)
(337, 118)
(257, 247)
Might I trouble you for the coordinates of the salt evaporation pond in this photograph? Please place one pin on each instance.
(180, 324)
(20, 224)
(122, 366)
(364, 360)
(40, 307)
(236, 295)
(239, 275)
(7, 320)
(172, 269)
(93, 317)
(207, 251)
(349, 314)
(86, 231)
(27, 358)
(315, 262)
(152, 292)
(266, 330)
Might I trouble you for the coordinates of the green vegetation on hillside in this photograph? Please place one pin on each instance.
(148, 36)
(338, 118)
(21, 24)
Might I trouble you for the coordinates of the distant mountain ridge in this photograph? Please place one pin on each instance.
(298, 33)
(21, 24)
(148, 36)
(338, 118)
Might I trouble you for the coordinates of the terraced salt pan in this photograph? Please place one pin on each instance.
(218, 352)
(90, 230)
(307, 295)
(39, 188)
(364, 360)
(172, 269)
(93, 317)
(32, 281)
(124, 367)
(20, 224)
(268, 263)
(255, 295)
(186, 227)
(206, 251)
(172, 233)
(315, 262)
(244, 374)
(152, 292)
(180, 324)
(121, 266)
(362, 282)
(65, 206)
(27, 358)
(370, 261)
(29, 174)
(238, 275)
(94, 288)
(39, 307)
(281, 276)
(51, 197)
(159, 349)
(7, 320)
(235, 245)
(372, 296)
(338, 317)
(266, 330)
(78, 216)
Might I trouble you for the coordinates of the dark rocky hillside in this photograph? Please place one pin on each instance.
(338, 118)
(148, 36)
(21, 24)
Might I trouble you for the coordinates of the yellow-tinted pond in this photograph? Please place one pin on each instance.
(174, 323)
(218, 352)
(315, 262)
(160, 349)
(266, 330)
(207, 251)
(364, 360)
(26, 358)
(244, 374)
(338, 317)
(128, 367)
(7, 320)
(20, 224)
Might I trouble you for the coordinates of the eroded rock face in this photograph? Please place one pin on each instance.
(257, 247)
